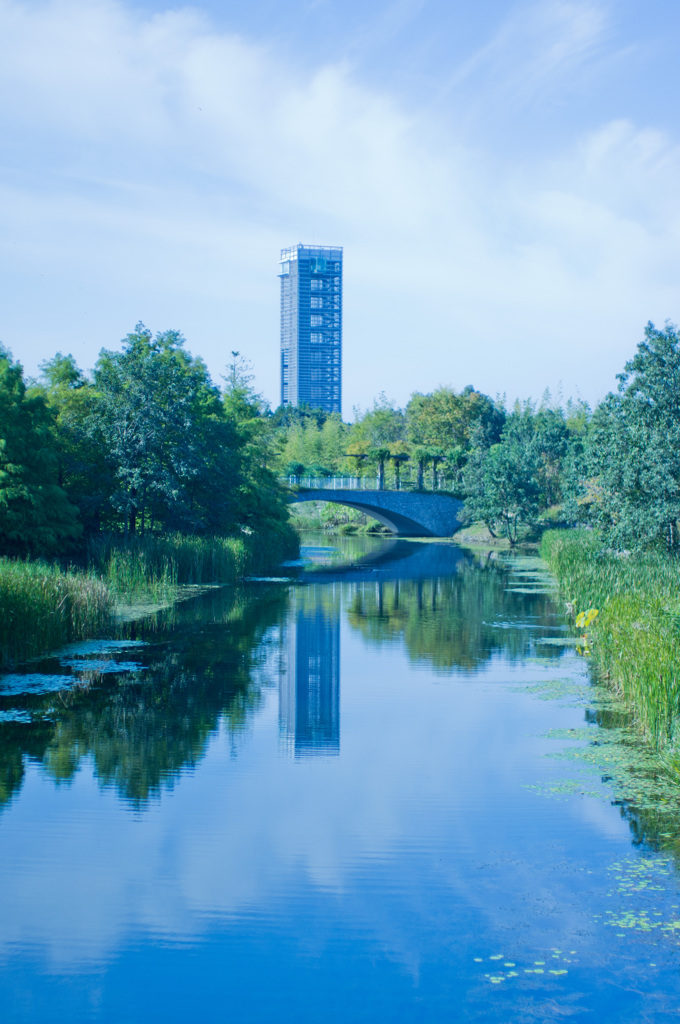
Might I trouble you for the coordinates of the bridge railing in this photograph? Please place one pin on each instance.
(353, 483)
(334, 483)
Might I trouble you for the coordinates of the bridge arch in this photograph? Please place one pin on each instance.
(405, 513)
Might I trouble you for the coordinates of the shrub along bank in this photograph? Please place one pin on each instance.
(635, 637)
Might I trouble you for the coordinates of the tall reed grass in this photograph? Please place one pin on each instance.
(42, 608)
(154, 566)
(635, 638)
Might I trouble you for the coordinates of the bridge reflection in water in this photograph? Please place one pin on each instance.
(309, 686)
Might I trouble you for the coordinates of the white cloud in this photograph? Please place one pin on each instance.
(153, 167)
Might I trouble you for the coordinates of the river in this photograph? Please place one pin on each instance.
(362, 791)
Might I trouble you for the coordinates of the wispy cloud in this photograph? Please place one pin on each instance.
(537, 48)
(153, 166)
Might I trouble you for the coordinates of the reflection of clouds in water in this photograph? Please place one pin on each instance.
(35, 682)
(84, 647)
(402, 819)
(101, 665)
(78, 657)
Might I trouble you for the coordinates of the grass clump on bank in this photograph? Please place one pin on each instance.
(635, 637)
(43, 607)
(154, 566)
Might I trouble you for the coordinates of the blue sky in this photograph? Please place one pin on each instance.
(504, 178)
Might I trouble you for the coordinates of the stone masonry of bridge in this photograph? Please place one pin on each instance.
(406, 513)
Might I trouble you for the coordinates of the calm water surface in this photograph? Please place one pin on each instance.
(328, 798)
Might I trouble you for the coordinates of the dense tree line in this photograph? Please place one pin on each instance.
(148, 443)
(616, 467)
(145, 443)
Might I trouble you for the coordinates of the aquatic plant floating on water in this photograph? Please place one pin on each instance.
(644, 886)
(547, 969)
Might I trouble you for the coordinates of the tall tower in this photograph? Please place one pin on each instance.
(311, 326)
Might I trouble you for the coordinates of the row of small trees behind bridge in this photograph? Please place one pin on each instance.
(616, 467)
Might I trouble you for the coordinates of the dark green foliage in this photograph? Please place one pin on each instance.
(631, 466)
(151, 445)
(169, 475)
(85, 470)
(502, 485)
(300, 415)
(509, 485)
(260, 502)
(36, 516)
(170, 448)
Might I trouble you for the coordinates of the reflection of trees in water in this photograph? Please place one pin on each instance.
(205, 662)
(456, 621)
(648, 799)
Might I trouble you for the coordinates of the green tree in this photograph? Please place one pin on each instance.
(375, 434)
(163, 425)
(319, 448)
(631, 482)
(442, 427)
(260, 499)
(85, 470)
(503, 483)
(36, 516)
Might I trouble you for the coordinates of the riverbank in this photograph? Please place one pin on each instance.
(44, 606)
(634, 637)
(478, 535)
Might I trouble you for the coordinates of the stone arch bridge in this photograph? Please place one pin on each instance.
(406, 513)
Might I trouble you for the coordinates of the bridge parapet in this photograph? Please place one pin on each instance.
(350, 483)
(406, 513)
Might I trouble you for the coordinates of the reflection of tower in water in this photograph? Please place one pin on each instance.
(309, 688)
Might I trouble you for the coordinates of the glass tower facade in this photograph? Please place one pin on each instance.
(311, 326)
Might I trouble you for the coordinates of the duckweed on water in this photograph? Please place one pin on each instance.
(566, 788)
(631, 769)
(538, 970)
(647, 883)
(558, 689)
